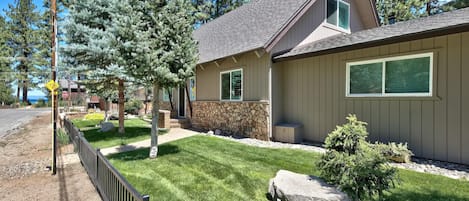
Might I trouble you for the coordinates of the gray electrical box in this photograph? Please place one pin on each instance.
(290, 133)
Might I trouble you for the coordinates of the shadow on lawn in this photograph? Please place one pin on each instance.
(141, 154)
(93, 135)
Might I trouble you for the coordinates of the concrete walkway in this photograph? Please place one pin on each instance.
(174, 134)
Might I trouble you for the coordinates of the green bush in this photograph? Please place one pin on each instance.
(41, 103)
(62, 137)
(94, 116)
(133, 106)
(395, 152)
(353, 164)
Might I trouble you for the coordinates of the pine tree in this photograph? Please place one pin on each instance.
(6, 76)
(391, 11)
(90, 47)
(208, 10)
(23, 21)
(160, 49)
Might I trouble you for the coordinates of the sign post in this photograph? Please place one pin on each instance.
(52, 86)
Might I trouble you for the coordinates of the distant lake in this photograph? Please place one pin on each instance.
(34, 99)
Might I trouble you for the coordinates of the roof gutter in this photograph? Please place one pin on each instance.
(403, 38)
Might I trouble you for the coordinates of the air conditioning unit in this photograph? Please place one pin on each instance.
(290, 133)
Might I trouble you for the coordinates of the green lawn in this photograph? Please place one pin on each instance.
(209, 168)
(135, 130)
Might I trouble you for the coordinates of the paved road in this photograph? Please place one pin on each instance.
(11, 119)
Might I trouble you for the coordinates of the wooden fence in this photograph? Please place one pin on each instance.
(112, 186)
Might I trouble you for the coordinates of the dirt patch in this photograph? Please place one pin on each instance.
(23, 174)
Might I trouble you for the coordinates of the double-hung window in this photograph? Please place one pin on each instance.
(338, 13)
(409, 75)
(231, 88)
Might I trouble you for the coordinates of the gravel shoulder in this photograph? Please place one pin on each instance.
(23, 158)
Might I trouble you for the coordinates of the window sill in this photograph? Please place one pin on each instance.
(394, 98)
(336, 28)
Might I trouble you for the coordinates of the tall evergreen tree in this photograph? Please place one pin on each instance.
(6, 76)
(90, 46)
(391, 11)
(23, 22)
(208, 10)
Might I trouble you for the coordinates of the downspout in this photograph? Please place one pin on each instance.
(270, 125)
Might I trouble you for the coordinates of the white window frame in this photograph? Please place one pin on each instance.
(383, 86)
(242, 84)
(336, 26)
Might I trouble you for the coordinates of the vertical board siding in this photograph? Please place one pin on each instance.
(454, 97)
(255, 77)
(440, 122)
(465, 98)
(434, 127)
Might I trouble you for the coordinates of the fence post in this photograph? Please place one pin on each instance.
(97, 162)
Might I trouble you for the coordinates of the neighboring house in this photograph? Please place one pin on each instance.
(91, 102)
(312, 63)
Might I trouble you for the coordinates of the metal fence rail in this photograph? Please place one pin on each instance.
(111, 185)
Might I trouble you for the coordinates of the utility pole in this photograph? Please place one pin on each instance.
(53, 13)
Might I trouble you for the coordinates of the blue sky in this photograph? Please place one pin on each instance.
(4, 4)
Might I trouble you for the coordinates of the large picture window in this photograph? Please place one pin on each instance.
(231, 85)
(396, 76)
(338, 13)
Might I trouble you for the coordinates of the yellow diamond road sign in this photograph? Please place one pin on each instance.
(52, 85)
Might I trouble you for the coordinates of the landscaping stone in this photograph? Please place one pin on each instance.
(247, 119)
(106, 127)
(292, 186)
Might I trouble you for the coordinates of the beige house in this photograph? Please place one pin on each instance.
(306, 64)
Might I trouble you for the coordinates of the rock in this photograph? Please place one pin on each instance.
(113, 117)
(210, 132)
(218, 132)
(291, 186)
(106, 126)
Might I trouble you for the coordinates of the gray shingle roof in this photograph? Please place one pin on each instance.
(246, 28)
(402, 31)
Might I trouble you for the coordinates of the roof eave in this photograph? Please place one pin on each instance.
(287, 26)
(403, 38)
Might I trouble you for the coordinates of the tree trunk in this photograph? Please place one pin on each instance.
(25, 91)
(121, 106)
(69, 93)
(170, 96)
(106, 116)
(146, 100)
(79, 92)
(154, 121)
(18, 89)
(188, 98)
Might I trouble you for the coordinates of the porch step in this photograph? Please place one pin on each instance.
(180, 123)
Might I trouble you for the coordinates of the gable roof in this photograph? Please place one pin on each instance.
(441, 24)
(249, 27)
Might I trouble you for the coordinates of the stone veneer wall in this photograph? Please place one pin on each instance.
(248, 119)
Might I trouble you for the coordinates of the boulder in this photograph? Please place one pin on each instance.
(113, 117)
(106, 126)
(291, 186)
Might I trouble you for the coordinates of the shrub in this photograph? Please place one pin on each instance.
(41, 103)
(353, 164)
(62, 137)
(395, 152)
(133, 106)
(94, 116)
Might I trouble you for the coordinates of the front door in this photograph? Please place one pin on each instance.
(182, 102)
